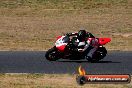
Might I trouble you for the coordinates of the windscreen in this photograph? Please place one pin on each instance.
(66, 39)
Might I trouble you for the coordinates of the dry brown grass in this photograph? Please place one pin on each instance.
(49, 81)
(35, 28)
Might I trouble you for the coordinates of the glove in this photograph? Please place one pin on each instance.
(68, 34)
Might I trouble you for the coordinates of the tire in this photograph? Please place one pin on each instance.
(103, 52)
(51, 54)
(92, 60)
(98, 55)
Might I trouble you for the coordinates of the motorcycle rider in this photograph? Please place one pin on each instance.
(80, 40)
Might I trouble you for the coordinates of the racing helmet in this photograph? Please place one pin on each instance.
(81, 35)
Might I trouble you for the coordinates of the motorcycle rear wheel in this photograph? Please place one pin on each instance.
(51, 54)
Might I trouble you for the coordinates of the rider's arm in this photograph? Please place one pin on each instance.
(90, 35)
(71, 34)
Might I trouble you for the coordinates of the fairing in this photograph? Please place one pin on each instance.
(103, 41)
(61, 42)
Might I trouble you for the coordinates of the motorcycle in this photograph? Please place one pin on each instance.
(65, 48)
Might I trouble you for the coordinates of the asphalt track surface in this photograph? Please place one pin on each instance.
(116, 62)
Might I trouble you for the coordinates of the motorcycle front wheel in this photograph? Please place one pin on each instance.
(98, 55)
(51, 54)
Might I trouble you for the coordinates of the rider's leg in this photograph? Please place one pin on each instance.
(91, 52)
